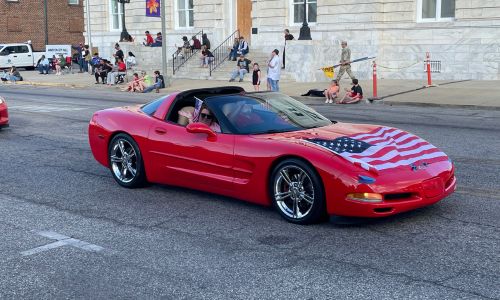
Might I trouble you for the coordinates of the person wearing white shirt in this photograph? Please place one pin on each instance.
(274, 72)
(131, 60)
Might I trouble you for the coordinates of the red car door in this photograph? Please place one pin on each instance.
(190, 159)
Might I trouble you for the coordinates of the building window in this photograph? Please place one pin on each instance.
(73, 2)
(185, 13)
(115, 15)
(436, 10)
(297, 11)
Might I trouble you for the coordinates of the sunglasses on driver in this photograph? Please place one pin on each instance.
(206, 116)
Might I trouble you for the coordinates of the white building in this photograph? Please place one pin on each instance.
(464, 35)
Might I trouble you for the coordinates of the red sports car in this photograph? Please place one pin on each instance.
(270, 149)
(4, 114)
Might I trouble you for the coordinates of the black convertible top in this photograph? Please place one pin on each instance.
(208, 92)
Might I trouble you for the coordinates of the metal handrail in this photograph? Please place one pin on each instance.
(177, 62)
(221, 52)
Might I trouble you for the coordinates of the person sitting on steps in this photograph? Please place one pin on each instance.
(242, 68)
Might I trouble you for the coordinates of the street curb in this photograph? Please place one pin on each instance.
(51, 84)
(422, 104)
(381, 102)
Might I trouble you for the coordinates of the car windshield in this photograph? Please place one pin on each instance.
(267, 112)
(151, 107)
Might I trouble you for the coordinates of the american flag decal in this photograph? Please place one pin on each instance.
(383, 148)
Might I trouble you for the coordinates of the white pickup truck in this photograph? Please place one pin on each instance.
(19, 55)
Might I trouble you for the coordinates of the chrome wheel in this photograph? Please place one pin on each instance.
(294, 192)
(123, 160)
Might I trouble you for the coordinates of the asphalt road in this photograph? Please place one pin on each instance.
(101, 241)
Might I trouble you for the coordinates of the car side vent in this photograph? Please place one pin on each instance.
(398, 196)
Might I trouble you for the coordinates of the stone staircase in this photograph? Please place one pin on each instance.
(192, 70)
(149, 59)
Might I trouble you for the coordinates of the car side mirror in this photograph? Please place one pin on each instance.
(202, 128)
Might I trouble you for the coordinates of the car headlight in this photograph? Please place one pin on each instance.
(1, 100)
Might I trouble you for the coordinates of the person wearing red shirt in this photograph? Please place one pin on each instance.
(119, 70)
(149, 39)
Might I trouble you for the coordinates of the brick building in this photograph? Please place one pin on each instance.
(23, 20)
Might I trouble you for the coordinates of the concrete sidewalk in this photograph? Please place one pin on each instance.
(479, 94)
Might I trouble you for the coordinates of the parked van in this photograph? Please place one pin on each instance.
(19, 55)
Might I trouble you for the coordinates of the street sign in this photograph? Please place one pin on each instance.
(51, 50)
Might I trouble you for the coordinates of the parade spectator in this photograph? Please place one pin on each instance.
(206, 57)
(233, 52)
(78, 56)
(59, 63)
(242, 68)
(86, 58)
(243, 46)
(205, 41)
(43, 66)
(136, 85)
(13, 75)
(119, 53)
(274, 71)
(158, 40)
(5, 75)
(53, 62)
(147, 79)
(256, 77)
(63, 63)
(94, 62)
(288, 37)
(159, 83)
(185, 44)
(332, 92)
(345, 62)
(119, 69)
(195, 43)
(354, 95)
(131, 61)
(182, 50)
(101, 71)
(148, 40)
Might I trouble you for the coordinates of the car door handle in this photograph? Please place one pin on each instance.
(160, 130)
(29, 55)
(15, 55)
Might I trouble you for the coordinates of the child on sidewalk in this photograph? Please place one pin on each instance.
(332, 92)
(354, 95)
(256, 77)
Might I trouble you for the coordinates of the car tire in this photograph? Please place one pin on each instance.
(297, 192)
(125, 161)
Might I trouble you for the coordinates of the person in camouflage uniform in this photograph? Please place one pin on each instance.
(345, 62)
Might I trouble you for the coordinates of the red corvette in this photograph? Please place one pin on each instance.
(270, 149)
(4, 114)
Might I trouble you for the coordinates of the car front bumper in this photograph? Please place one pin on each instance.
(417, 196)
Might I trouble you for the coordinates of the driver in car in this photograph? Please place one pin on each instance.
(187, 116)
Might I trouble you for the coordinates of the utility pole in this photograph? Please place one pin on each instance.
(164, 44)
(89, 33)
(45, 14)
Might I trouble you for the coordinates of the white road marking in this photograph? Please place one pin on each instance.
(62, 240)
(45, 108)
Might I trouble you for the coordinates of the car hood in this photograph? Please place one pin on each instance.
(373, 148)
